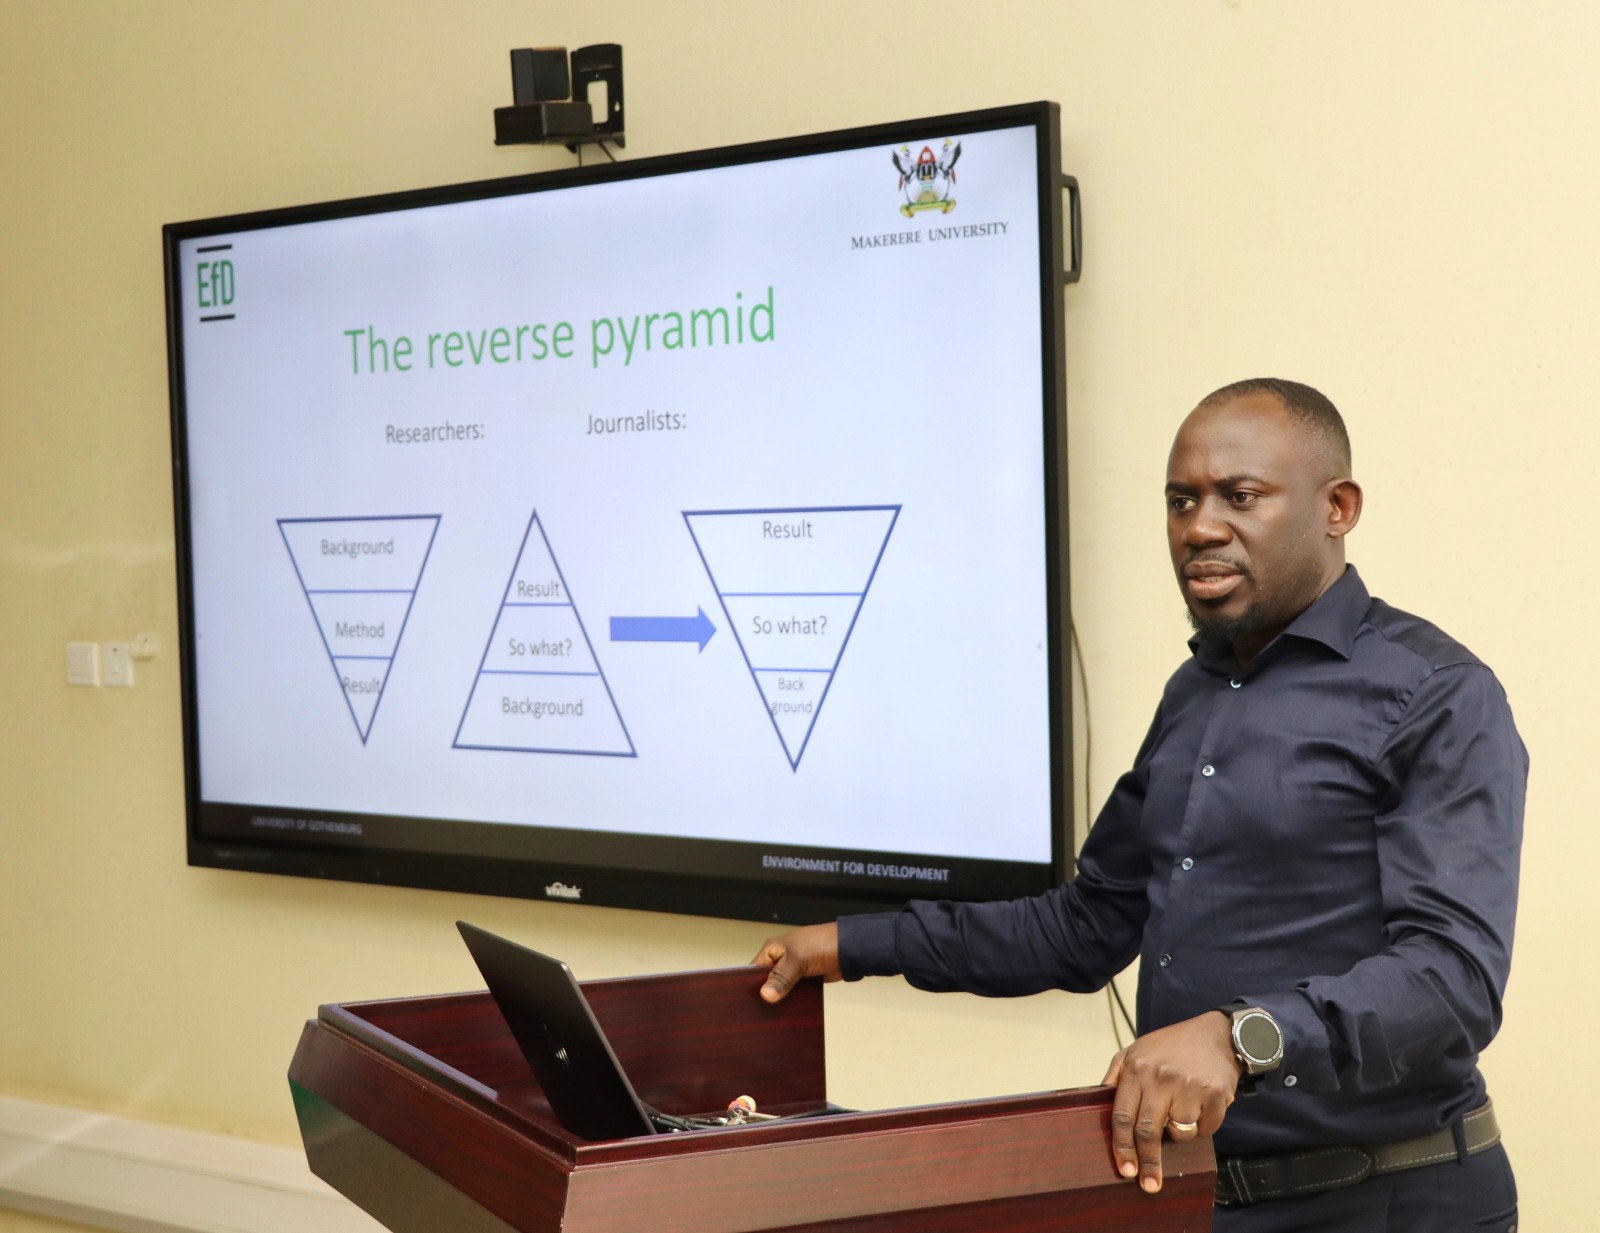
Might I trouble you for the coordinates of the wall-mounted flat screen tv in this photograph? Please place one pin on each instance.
(684, 534)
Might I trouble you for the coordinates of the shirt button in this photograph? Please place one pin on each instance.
(1188, 863)
(1208, 770)
(1236, 682)
(1289, 1081)
(1165, 961)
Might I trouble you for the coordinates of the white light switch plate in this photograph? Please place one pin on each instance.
(118, 664)
(83, 663)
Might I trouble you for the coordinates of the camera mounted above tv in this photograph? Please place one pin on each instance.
(556, 98)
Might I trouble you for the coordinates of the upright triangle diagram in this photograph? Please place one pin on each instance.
(540, 688)
(359, 576)
(792, 583)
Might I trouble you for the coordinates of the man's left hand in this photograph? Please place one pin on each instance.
(1179, 1079)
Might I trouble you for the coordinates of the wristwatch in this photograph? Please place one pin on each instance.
(1257, 1038)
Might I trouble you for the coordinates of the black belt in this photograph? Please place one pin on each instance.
(1242, 1180)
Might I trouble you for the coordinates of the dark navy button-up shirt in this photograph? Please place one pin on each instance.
(1332, 835)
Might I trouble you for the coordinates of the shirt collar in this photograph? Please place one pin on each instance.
(1333, 619)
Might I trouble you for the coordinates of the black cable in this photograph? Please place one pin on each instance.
(1088, 729)
(1114, 1000)
(1126, 1017)
(607, 152)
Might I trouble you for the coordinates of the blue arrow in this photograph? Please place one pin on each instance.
(697, 628)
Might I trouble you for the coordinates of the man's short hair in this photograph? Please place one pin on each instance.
(1311, 408)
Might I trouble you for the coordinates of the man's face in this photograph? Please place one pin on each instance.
(1248, 519)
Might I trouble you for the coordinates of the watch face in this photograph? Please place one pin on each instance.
(1258, 1037)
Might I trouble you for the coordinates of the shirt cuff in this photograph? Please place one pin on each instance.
(866, 946)
(1307, 1058)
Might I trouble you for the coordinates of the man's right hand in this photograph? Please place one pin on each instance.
(811, 950)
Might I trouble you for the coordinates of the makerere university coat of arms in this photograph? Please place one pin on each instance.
(928, 181)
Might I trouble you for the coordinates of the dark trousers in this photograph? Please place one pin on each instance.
(1478, 1193)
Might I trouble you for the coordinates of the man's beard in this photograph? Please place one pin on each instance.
(1253, 620)
(1209, 623)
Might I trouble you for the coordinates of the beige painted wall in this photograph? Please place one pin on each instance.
(1392, 202)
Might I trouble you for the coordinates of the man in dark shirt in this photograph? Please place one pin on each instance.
(1314, 857)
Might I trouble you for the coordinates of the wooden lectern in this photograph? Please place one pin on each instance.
(423, 1112)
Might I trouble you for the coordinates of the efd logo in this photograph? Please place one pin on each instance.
(214, 283)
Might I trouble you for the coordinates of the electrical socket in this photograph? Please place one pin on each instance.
(117, 661)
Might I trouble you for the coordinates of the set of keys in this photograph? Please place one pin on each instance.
(742, 1109)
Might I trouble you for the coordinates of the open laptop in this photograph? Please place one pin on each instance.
(557, 1032)
(567, 1050)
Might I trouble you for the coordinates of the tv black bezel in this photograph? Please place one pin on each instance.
(638, 886)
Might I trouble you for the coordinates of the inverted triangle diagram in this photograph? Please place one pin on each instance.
(360, 576)
(792, 583)
(540, 687)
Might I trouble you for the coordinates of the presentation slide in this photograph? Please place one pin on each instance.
(707, 506)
